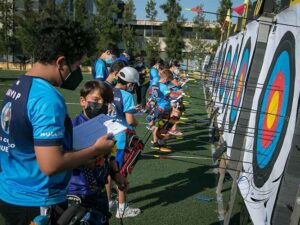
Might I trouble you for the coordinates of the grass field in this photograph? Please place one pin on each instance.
(166, 189)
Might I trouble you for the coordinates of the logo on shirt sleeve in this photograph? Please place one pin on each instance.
(6, 117)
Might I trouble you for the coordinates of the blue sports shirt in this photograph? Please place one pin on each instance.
(161, 93)
(123, 103)
(33, 114)
(100, 71)
(154, 76)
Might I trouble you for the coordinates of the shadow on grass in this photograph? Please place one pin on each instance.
(237, 219)
(8, 79)
(176, 188)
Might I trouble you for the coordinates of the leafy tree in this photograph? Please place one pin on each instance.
(151, 12)
(152, 48)
(63, 8)
(48, 9)
(128, 35)
(25, 28)
(198, 45)
(172, 29)
(6, 28)
(222, 11)
(81, 13)
(105, 24)
(152, 43)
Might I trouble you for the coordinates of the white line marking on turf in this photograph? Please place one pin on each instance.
(178, 156)
(72, 103)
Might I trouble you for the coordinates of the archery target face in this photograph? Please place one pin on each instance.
(271, 124)
(225, 73)
(219, 67)
(274, 109)
(239, 85)
(215, 70)
(230, 76)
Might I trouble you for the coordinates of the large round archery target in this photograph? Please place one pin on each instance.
(219, 68)
(215, 71)
(239, 85)
(274, 109)
(230, 76)
(225, 72)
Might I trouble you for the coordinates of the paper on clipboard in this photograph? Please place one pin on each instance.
(86, 134)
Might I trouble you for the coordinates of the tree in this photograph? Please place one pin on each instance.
(151, 12)
(48, 9)
(153, 43)
(81, 13)
(6, 28)
(152, 48)
(128, 35)
(172, 29)
(25, 29)
(198, 45)
(63, 8)
(105, 23)
(222, 10)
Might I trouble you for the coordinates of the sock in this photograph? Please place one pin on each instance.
(121, 206)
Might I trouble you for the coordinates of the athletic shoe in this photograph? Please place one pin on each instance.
(148, 127)
(128, 212)
(175, 133)
(144, 110)
(155, 146)
(112, 205)
(164, 148)
(183, 118)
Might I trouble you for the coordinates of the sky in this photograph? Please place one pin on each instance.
(209, 5)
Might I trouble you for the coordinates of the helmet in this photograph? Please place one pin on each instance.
(129, 74)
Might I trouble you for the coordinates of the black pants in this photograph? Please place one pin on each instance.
(23, 215)
(141, 94)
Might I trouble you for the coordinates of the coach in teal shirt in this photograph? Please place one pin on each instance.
(36, 154)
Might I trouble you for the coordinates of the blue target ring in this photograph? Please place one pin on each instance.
(230, 76)
(225, 72)
(274, 107)
(282, 67)
(219, 67)
(239, 85)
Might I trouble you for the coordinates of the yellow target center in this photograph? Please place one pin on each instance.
(272, 110)
(239, 87)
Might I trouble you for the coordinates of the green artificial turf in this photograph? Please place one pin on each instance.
(166, 188)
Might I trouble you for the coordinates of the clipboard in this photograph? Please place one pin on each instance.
(86, 134)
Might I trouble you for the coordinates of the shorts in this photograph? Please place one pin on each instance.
(121, 144)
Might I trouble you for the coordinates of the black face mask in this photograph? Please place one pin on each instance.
(94, 109)
(73, 80)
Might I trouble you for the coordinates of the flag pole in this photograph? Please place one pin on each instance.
(244, 22)
(228, 19)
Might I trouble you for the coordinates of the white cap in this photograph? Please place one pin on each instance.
(130, 75)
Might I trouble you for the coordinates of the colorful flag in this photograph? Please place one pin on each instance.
(239, 9)
(197, 10)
